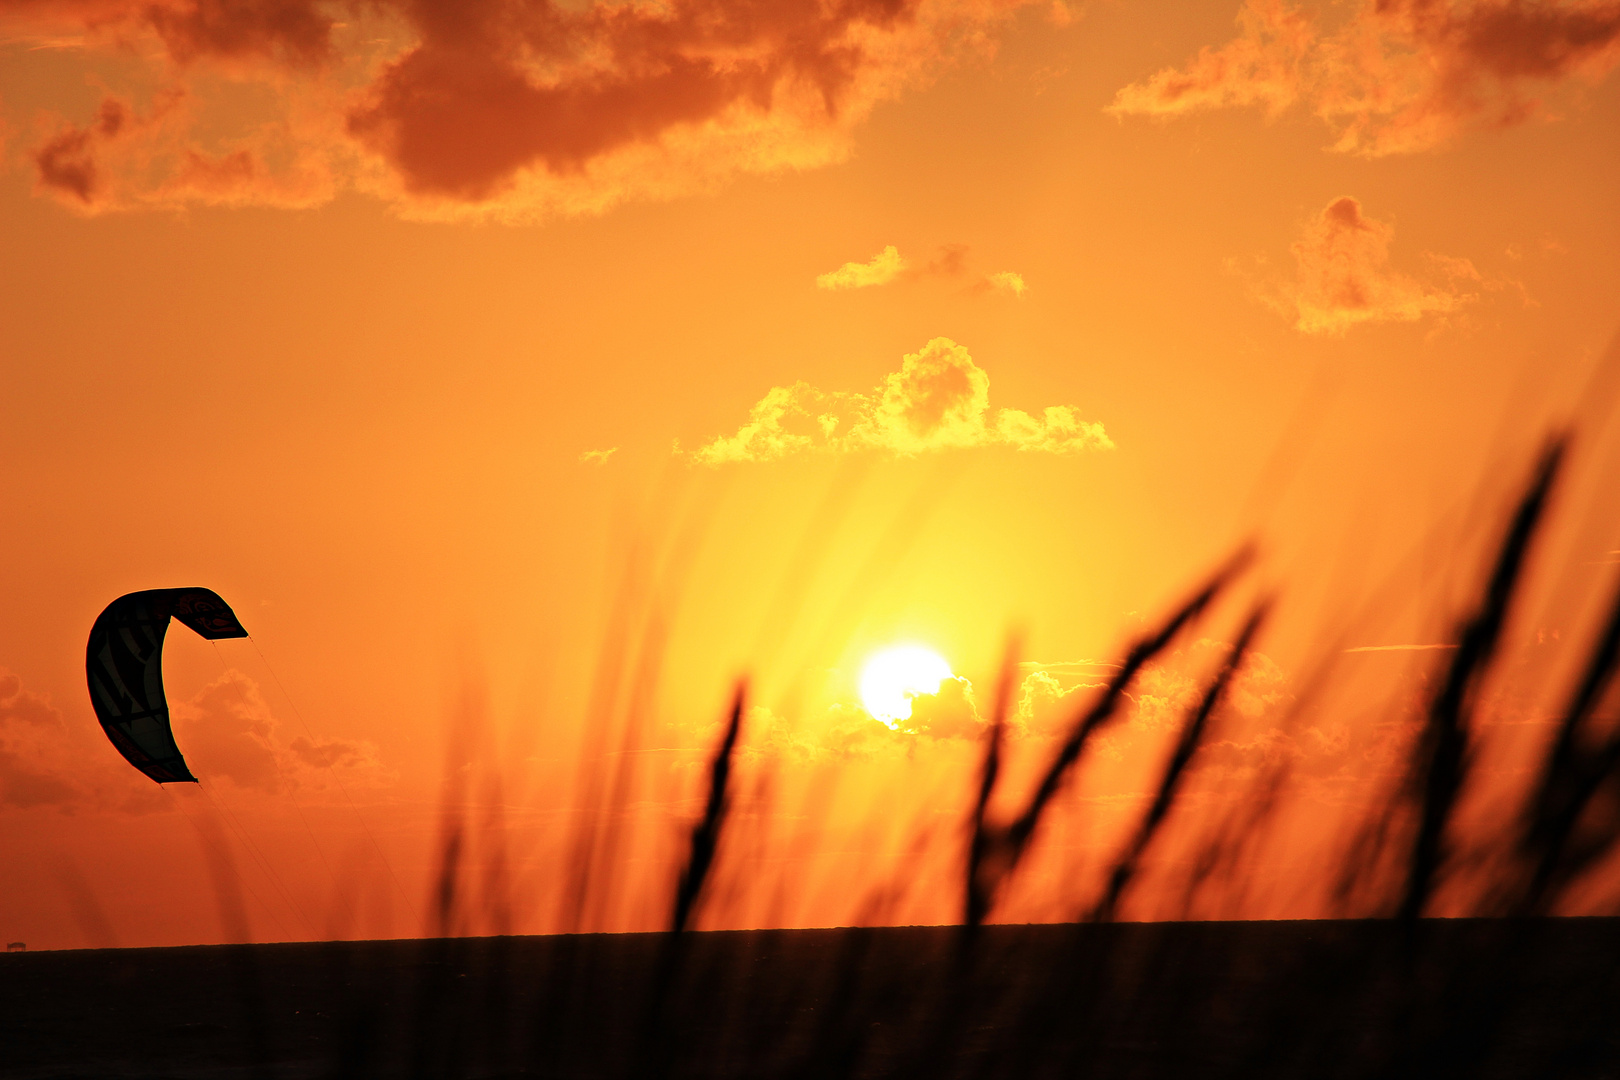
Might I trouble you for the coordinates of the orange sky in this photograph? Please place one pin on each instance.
(464, 347)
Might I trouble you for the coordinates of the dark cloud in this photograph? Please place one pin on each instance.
(507, 108)
(295, 32)
(67, 160)
(1400, 75)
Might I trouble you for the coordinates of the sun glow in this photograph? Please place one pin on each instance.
(893, 677)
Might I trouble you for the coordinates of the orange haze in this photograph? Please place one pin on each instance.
(526, 373)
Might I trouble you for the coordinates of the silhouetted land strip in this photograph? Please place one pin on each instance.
(1320, 999)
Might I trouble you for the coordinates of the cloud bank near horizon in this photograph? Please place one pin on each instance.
(226, 730)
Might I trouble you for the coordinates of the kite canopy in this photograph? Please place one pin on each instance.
(124, 666)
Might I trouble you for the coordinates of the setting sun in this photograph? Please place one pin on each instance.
(894, 676)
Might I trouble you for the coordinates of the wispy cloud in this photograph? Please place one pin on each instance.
(108, 163)
(1262, 67)
(1400, 75)
(880, 269)
(938, 400)
(1008, 282)
(597, 457)
(950, 262)
(1344, 277)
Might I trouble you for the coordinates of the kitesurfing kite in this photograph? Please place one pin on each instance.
(124, 666)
